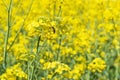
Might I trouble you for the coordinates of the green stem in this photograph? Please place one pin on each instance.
(58, 56)
(116, 72)
(88, 75)
(21, 26)
(7, 35)
(38, 44)
(59, 12)
(33, 69)
(34, 63)
(28, 67)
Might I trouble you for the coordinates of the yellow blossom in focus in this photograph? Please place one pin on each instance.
(97, 65)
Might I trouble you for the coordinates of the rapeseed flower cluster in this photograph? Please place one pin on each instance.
(59, 40)
(13, 73)
(97, 65)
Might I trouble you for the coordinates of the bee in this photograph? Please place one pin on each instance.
(52, 29)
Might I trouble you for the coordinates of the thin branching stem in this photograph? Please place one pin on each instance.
(7, 35)
(21, 26)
